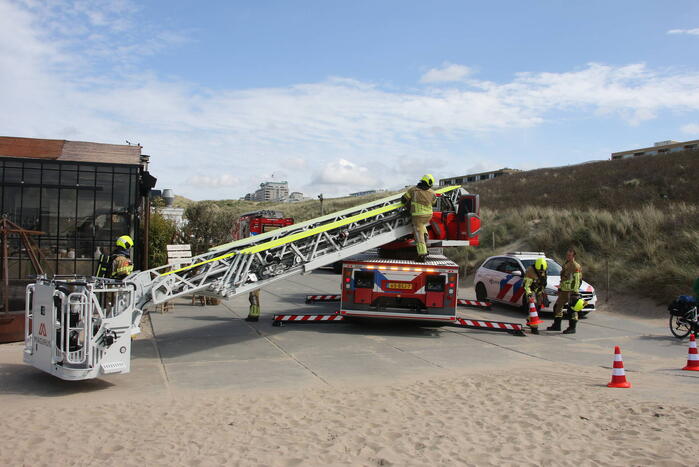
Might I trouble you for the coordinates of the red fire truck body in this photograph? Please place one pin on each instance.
(460, 223)
(376, 287)
(257, 222)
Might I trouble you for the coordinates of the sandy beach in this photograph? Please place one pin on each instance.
(551, 415)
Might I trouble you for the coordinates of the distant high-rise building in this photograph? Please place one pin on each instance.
(270, 191)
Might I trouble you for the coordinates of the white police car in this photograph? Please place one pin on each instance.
(500, 279)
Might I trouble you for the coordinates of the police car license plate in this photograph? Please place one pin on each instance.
(399, 285)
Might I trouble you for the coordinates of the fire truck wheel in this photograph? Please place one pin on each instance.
(481, 293)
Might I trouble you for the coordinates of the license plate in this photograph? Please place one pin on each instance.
(399, 286)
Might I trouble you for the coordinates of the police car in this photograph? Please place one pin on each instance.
(500, 279)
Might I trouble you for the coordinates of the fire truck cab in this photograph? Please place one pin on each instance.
(257, 222)
(377, 287)
(451, 225)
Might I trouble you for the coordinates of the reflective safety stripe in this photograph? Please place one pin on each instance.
(692, 356)
(617, 357)
(618, 372)
(307, 233)
(420, 209)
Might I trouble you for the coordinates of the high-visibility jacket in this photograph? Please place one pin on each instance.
(420, 200)
(571, 277)
(534, 282)
(121, 266)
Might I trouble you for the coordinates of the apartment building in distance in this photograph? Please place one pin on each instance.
(270, 191)
(470, 178)
(661, 147)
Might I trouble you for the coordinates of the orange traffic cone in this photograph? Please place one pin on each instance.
(533, 315)
(618, 374)
(692, 358)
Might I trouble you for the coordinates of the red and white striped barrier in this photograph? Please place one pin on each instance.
(491, 325)
(473, 303)
(322, 298)
(278, 319)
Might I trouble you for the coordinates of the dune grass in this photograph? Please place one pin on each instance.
(649, 251)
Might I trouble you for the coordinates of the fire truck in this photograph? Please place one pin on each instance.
(389, 283)
(376, 287)
(80, 327)
(259, 222)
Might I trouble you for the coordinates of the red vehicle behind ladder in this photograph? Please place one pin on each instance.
(257, 222)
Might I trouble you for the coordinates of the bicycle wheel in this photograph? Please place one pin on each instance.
(679, 327)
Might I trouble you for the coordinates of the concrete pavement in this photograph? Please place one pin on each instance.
(207, 347)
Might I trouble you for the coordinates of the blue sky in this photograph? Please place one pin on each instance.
(338, 97)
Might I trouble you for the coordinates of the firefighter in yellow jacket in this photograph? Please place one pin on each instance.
(420, 199)
(534, 285)
(568, 293)
(118, 264)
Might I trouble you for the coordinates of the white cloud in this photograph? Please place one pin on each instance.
(691, 128)
(345, 173)
(448, 73)
(693, 32)
(218, 143)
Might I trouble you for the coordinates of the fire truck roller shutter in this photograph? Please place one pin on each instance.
(434, 290)
(363, 286)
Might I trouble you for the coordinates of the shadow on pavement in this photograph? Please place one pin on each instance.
(27, 380)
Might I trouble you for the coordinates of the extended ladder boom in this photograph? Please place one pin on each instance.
(81, 327)
(253, 262)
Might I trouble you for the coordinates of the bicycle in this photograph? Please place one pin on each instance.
(683, 317)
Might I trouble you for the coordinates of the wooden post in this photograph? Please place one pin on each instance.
(146, 233)
(607, 264)
(5, 270)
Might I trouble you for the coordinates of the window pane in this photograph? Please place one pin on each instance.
(32, 176)
(11, 202)
(49, 211)
(69, 177)
(103, 207)
(86, 179)
(30, 209)
(50, 177)
(121, 217)
(13, 175)
(66, 215)
(85, 230)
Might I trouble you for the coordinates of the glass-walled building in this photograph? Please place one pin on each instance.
(82, 196)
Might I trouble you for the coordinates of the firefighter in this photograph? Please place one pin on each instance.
(535, 284)
(420, 199)
(568, 293)
(254, 311)
(118, 264)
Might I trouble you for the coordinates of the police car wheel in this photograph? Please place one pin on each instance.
(481, 293)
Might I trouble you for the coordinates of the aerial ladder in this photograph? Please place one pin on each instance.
(80, 327)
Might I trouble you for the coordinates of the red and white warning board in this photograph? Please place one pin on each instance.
(322, 298)
(473, 303)
(308, 318)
